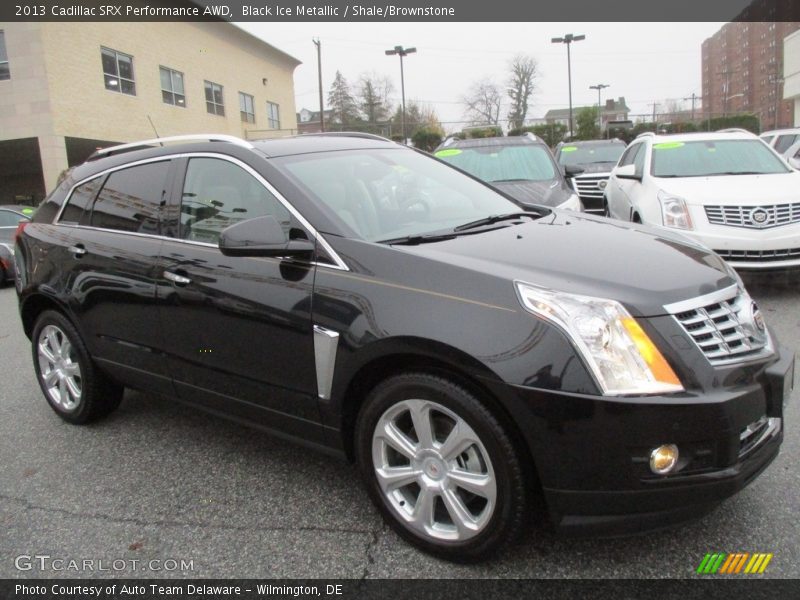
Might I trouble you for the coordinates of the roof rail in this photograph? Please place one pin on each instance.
(530, 134)
(646, 134)
(734, 130)
(168, 140)
(355, 134)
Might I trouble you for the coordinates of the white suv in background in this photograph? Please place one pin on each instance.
(781, 139)
(727, 190)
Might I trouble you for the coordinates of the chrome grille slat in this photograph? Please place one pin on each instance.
(777, 215)
(760, 255)
(722, 326)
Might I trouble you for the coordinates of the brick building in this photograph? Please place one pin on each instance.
(742, 70)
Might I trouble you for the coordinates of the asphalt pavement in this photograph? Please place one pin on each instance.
(160, 482)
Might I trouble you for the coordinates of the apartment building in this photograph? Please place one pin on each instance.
(742, 71)
(69, 88)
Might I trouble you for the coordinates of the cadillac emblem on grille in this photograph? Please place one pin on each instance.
(759, 216)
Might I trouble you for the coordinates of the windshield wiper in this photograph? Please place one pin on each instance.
(510, 180)
(741, 173)
(415, 240)
(495, 219)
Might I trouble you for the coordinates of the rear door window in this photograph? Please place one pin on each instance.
(79, 204)
(131, 199)
(784, 142)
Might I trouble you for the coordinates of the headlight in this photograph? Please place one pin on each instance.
(572, 203)
(674, 211)
(619, 353)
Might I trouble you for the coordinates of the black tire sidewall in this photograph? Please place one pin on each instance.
(505, 462)
(83, 412)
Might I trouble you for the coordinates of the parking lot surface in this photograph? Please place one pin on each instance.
(158, 481)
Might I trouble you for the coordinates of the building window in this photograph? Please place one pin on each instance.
(247, 108)
(273, 116)
(118, 71)
(214, 102)
(5, 72)
(172, 91)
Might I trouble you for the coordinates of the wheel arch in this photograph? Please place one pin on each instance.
(393, 357)
(35, 304)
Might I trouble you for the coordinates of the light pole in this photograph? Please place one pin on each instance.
(568, 39)
(318, 44)
(401, 52)
(599, 87)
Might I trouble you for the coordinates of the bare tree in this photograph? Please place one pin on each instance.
(521, 85)
(483, 102)
(374, 92)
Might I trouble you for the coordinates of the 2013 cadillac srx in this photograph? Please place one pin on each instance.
(483, 364)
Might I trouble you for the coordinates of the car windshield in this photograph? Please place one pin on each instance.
(590, 154)
(387, 194)
(502, 163)
(708, 158)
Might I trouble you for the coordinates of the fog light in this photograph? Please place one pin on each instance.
(663, 459)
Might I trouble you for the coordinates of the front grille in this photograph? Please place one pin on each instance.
(760, 256)
(590, 192)
(725, 326)
(754, 217)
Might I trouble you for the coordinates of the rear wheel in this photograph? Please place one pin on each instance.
(73, 386)
(440, 467)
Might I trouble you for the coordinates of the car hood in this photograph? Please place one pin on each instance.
(736, 190)
(644, 268)
(548, 193)
(598, 167)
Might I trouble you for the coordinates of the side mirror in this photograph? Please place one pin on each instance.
(262, 236)
(572, 170)
(627, 172)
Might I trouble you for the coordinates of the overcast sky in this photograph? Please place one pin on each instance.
(645, 62)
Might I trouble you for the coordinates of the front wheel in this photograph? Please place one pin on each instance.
(440, 467)
(73, 386)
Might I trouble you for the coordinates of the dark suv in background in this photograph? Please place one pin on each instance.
(484, 365)
(520, 166)
(591, 162)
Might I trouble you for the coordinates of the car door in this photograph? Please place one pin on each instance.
(114, 244)
(620, 190)
(238, 329)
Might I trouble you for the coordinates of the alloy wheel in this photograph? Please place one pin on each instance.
(433, 470)
(59, 368)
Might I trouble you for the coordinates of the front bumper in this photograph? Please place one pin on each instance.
(747, 248)
(592, 454)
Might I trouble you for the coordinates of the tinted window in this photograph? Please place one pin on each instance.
(714, 157)
(590, 154)
(503, 163)
(629, 156)
(131, 199)
(783, 142)
(383, 194)
(9, 218)
(218, 193)
(80, 200)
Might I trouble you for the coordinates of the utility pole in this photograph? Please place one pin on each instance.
(599, 87)
(777, 81)
(654, 105)
(318, 44)
(693, 97)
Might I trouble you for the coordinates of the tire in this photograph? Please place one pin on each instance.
(71, 383)
(416, 483)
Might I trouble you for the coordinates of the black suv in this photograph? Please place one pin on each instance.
(363, 298)
(593, 161)
(520, 166)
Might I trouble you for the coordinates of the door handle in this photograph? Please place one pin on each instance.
(78, 250)
(176, 279)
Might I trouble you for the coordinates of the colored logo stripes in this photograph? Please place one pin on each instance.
(740, 562)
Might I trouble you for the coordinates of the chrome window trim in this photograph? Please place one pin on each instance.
(339, 264)
(700, 301)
